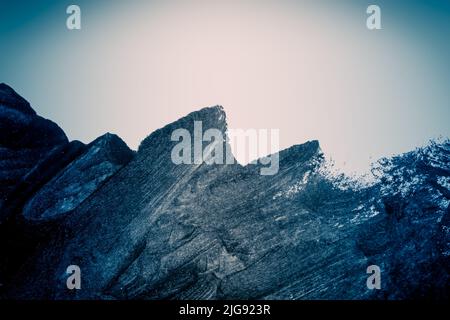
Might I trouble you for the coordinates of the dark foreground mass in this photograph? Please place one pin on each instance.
(141, 227)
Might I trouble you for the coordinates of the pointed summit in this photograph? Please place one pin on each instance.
(211, 118)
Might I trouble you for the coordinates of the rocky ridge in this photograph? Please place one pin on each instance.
(141, 227)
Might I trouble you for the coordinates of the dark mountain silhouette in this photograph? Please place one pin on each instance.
(141, 227)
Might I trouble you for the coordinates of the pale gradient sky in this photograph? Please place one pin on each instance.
(310, 68)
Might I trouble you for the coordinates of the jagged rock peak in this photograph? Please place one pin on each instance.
(305, 150)
(211, 117)
(118, 150)
(12, 100)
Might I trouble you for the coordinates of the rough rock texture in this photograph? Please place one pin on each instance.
(79, 179)
(157, 230)
(43, 176)
(25, 139)
(43, 171)
(410, 239)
